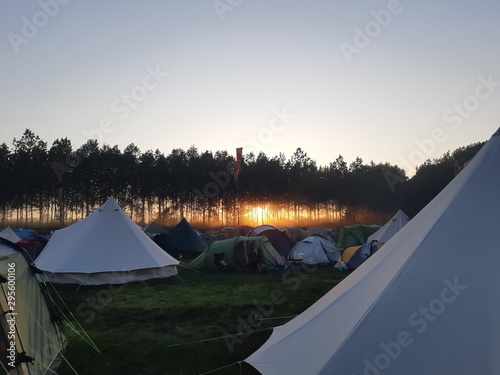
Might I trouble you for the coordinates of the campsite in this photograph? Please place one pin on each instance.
(107, 288)
(229, 187)
(106, 295)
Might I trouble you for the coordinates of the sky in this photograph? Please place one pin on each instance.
(388, 81)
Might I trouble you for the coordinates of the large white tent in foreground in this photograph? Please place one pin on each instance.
(104, 248)
(418, 305)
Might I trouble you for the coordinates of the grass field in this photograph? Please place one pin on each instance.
(149, 328)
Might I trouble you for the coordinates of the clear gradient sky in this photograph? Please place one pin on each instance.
(359, 78)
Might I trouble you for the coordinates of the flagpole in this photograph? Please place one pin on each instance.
(238, 199)
(239, 156)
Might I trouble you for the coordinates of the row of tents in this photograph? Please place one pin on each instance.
(244, 253)
(185, 242)
(318, 250)
(107, 247)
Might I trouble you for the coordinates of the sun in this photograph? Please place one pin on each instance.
(258, 215)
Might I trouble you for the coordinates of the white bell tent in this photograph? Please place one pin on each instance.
(104, 248)
(390, 228)
(426, 303)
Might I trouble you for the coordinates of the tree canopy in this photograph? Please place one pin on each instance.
(56, 186)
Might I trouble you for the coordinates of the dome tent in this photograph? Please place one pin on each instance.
(315, 250)
(278, 239)
(353, 235)
(243, 253)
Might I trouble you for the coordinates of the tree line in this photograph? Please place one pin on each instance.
(54, 186)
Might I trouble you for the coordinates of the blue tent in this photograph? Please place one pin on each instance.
(27, 234)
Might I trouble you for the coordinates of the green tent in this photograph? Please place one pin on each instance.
(30, 343)
(181, 241)
(354, 235)
(242, 253)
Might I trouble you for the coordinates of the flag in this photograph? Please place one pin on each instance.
(239, 152)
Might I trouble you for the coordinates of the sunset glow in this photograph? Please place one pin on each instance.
(258, 215)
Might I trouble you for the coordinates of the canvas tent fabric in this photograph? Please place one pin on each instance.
(415, 307)
(181, 241)
(389, 229)
(278, 239)
(8, 234)
(353, 235)
(104, 248)
(315, 250)
(242, 253)
(34, 332)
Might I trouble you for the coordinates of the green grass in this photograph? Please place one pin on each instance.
(148, 328)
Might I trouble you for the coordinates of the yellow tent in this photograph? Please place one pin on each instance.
(350, 252)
